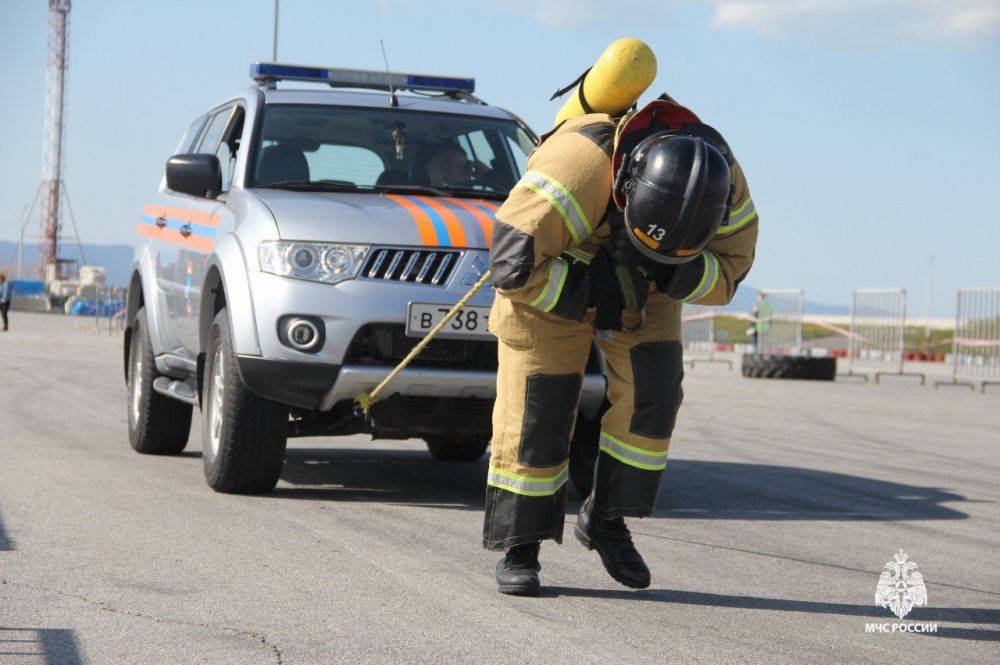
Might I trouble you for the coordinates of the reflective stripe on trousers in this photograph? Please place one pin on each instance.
(527, 485)
(648, 460)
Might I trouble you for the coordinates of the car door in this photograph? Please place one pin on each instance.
(209, 220)
(157, 225)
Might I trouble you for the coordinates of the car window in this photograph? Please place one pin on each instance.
(300, 144)
(359, 166)
(210, 137)
(477, 147)
(520, 148)
(229, 146)
(189, 136)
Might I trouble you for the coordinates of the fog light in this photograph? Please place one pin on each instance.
(302, 334)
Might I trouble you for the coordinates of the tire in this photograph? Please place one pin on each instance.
(157, 424)
(583, 450)
(759, 366)
(459, 449)
(243, 434)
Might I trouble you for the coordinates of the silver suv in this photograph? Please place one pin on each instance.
(299, 245)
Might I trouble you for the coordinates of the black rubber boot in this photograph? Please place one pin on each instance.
(612, 540)
(517, 572)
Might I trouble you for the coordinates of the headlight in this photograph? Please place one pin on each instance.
(317, 262)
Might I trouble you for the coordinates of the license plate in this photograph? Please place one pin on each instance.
(468, 322)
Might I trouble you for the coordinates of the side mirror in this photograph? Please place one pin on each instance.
(194, 174)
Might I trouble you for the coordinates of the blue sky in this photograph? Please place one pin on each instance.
(868, 129)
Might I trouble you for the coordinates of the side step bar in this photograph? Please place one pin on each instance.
(180, 390)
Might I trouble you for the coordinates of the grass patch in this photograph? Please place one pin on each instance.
(734, 330)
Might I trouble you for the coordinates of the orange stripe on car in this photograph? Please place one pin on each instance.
(182, 215)
(484, 220)
(456, 231)
(168, 235)
(425, 227)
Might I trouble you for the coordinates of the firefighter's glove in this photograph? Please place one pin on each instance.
(619, 292)
(676, 280)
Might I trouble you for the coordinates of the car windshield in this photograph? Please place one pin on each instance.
(369, 149)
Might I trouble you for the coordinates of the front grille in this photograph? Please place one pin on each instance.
(412, 416)
(416, 407)
(420, 266)
(385, 344)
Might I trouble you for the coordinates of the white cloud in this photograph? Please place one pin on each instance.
(572, 13)
(840, 20)
(974, 21)
(853, 19)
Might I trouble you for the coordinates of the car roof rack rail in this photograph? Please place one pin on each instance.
(267, 74)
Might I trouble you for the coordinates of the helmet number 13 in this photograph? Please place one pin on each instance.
(656, 232)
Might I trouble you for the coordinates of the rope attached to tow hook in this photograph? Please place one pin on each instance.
(365, 400)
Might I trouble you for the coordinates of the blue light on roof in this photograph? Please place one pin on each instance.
(265, 72)
(418, 81)
(261, 70)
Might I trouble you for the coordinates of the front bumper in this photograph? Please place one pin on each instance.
(320, 386)
(444, 383)
(343, 308)
(294, 383)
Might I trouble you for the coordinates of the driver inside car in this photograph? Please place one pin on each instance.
(448, 166)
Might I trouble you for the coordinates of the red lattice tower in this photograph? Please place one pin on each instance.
(52, 142)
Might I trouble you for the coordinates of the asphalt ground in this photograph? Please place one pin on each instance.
(780, 505)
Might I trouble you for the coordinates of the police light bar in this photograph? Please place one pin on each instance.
(268, 72)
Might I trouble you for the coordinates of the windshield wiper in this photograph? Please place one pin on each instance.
(474, 193)
(419, 189)
(470, 192)
(313, 185)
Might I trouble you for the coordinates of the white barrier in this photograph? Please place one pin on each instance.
(975, 350)
(698, 335)
(109, 316)
(779, 322)
(876, 339)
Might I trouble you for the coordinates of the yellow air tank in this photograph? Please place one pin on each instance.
(614, 83)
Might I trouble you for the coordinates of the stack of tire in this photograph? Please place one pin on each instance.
(766, 366)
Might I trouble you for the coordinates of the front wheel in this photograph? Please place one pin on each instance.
(243, 434)
(157, 424)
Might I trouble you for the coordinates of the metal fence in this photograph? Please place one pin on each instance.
(975, 346)
(698, 335)
(876, 341)
(779, 322)
(109, 310)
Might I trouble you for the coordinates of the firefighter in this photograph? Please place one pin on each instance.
(616, 222)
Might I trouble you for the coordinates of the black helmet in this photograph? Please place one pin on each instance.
(677, 192)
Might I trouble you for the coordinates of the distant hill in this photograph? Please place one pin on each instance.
(746, 295)
(116, 259)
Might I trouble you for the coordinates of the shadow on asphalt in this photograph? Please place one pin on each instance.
(5, 542)
(391, 476)
(875, 614)
(57, 645)
(726, 490)
(691, 489)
